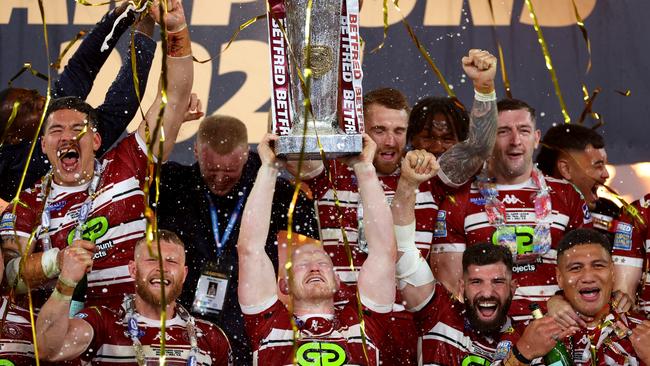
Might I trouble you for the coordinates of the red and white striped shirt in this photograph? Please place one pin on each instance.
(16, 342)
(115, 222)
(462, 221)
(111, 344)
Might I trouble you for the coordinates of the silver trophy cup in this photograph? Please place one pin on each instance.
(323, 57)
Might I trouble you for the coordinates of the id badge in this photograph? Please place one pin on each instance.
(210, 294)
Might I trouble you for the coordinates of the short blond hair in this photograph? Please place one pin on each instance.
(163, 235)
(222, 133)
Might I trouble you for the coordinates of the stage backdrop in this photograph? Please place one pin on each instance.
(236, 82)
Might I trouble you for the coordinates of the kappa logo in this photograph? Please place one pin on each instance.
(511, 199)
(168, 337)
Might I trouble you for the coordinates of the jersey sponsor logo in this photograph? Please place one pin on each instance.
(320, 353)
(502, 350)
(5, 362)
(479, 201)
(511, 199)
(168, 337)
(81, 315)
(519, 268)
(474, 360)
(623, 236)
(524, 236)
(93, 230)
(586, 213)
(7, 221)
(440, 230)
(56, 206)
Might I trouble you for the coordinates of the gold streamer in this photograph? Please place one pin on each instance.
(424, 52)
(57, 64)
(243, 26)
(28, 67)
(581, 25)
(385, 15)
(625, 93)
(589, 101)
(10, 121)
(88, 3)
(502, 61)
(549, 63)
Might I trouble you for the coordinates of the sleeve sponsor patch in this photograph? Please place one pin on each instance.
(440, 230)
(7, 221)
(586, 214)
(623, 236)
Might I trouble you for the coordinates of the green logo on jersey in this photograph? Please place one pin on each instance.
(6, 363)
(474, 360)
(524, 235)
(320, 354)
(94, 229)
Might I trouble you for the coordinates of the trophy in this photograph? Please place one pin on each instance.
(331, 50)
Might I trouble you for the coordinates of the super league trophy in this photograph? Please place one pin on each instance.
(335, 91)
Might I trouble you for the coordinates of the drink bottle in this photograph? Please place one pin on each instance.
(558, 356)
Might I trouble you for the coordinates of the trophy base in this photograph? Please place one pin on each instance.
(334, 146)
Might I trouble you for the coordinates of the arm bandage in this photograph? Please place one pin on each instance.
(411, 268)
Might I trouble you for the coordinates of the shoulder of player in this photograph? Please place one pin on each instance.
(562, 188)
(210, 329)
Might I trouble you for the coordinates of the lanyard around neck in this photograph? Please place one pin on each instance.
(221, 240)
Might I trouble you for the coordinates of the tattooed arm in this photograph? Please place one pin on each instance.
(463, 160)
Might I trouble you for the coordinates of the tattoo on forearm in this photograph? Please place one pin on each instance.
(464, 159)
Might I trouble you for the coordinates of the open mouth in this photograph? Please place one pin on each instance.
(487, 308)
(314, 279)
(69, 157)
(158, 281)
(388, 155)
(590, 293)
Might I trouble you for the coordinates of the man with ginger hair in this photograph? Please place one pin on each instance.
(203, 204)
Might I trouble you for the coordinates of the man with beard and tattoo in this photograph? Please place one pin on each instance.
(477, 331)
(130, 334)
(510, 203)
(577, 153)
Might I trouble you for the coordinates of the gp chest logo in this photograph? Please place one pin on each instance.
(320, 353)
(94, 229)
(475, 360)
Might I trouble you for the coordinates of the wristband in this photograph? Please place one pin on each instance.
(411, 268)
(50, 263)
(178, 43)
(67, 283)
(59, 296)
(519, 356)
(483, 97)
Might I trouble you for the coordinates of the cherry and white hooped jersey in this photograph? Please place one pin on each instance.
(347, 191)
(115, 222)
(447, 338)
(16, 342)
(632, 245)
(462, 221)
(111, 344)
(322, 340)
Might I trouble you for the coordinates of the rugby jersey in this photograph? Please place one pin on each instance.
(462, 221)
(115, 222)
(111, 344)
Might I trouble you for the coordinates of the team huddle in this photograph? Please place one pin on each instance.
(443, 243)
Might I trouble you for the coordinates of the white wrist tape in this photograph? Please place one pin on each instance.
(50, 263)
(482, 97)
(411, 268)
(12, 271)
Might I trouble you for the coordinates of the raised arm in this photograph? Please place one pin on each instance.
(414, 277)
(59, 337)
(121, 102)
(257, 281)
(180, 75)
(463, 160)
(377, 276)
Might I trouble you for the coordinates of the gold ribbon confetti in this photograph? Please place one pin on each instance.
(549, 63)
(384, 10)
(589, 101)
(242, 26)
(581, 25)
(57, 64)
(625, 93)
(424, 52)
(28, 67)
(502, 61)
(10, 121)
